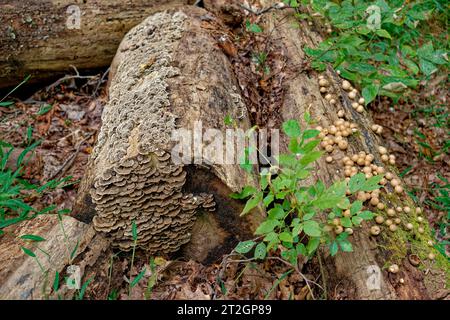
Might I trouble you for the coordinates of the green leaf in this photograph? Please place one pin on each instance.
(252, 203)
(291, 128)
(371, 183)
(334, 248)
(228, 120)
(276, 213)
(260, 251)
(286, 237)
(427, 67)
(245, 246)
(267, 226)
(301, 249)
(74, 250)
(366, 215)
(56, 282)
(346, 246)
(356, 207)
(311, 228)
(370, 92)
(356, 182)
(310, 157)
(252, 27)
(383, 33)
(308, 134)
(346, 222)
(138, 278)
(268, 199)
(32, 237)
(83, 289)
(44, 109)
(134, 230)
(312, 246)
(28, 252)
(245, 193)
(6, 103)
(357, 220)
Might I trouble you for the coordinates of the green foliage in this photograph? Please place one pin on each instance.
(300, 216)
(383, 58)
(14, 190)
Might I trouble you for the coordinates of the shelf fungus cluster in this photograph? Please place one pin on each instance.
(136, 180)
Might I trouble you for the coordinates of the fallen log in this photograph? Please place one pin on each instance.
(44, 38)
(168, 74)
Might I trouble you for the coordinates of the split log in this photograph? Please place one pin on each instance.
(44, 38)
(168, 74)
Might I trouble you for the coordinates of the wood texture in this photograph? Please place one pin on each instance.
(37, 37)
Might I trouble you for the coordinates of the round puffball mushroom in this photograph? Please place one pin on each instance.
(375, 230)
(398, 189)
(388, 222)
(393, 268)
(407, 209)
(361, 101)
(343, 145)
(338, 229)
(346, 85)
(419, 219)
(323, 83)
(393, 227)
(395, 182)
(360, 109)
(391, 212)
(341, 113)
(329, 159)
(397, 220)
(420, 230)
(379, 219)
(382, 150)
(355, 105)
(323, 89)
(352, 95)
(409, 226)
(380, 206)
(431, 256)
(349, 230)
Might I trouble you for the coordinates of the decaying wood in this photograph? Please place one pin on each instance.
(42, 38)
(168, 73)
(347, 274)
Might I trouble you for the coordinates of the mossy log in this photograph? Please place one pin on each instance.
(44, 38)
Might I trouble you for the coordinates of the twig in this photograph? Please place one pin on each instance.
(101, 81)
(69, 161)
(68, 77)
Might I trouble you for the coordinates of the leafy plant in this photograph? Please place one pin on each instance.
(302, 216)
(378, 45)
(14, 190)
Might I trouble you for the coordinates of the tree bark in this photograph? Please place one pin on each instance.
(348, 274)
(42, 39)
